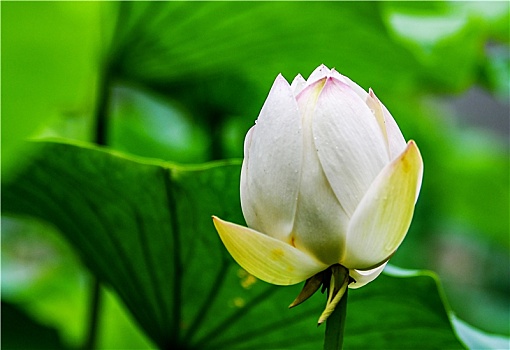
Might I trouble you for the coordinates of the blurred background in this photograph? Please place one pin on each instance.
(184, 81)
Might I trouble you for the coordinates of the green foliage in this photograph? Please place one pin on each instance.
(145, 229)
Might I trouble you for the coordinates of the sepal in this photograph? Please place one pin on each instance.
(338, 286)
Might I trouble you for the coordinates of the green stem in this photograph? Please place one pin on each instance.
(335, 325)
(100, 138)
(95, 303)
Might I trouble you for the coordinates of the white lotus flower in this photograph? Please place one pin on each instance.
(327, 179)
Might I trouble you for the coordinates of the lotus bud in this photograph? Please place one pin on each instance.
(327, 179)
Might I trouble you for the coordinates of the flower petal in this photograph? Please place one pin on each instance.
(298, 84)
(376, 108)
(266, 258)
(394, 138)
(320, 225)
(269, 179)
(319, 73)
(355, 87)
(364, 277)
(349, 143)
(382, 218)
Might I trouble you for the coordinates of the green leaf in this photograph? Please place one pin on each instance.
(401, 311)
(221, 53)
(198, 43)
(144, 228)
(477, 339)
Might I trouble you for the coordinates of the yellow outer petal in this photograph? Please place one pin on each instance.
(383, 216)
(266, 258)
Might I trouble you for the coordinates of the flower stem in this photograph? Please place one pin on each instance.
(335, 324)
(100, 138)
(93, 317)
